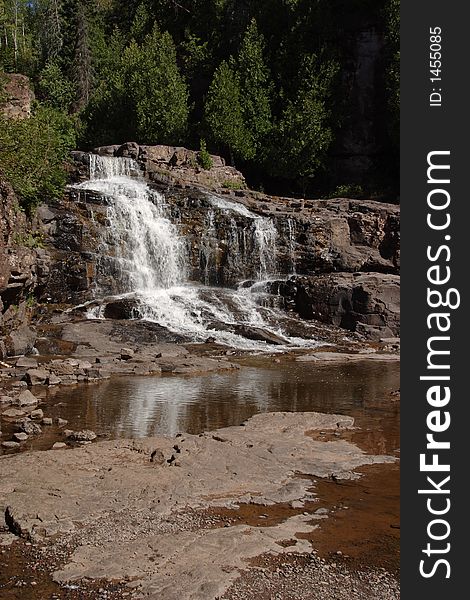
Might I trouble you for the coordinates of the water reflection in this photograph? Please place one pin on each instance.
(143, 406)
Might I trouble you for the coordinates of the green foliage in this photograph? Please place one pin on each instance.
(254, 79)
(303, 134)
(224, 113)
(204, 158)
(33, 152)
(230, 184)
(54, 89)
(255, 87)
(347, 191)
(238, 105)
(145, 96)
(29, 240)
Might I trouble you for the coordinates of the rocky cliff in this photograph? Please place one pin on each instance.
(342, 255)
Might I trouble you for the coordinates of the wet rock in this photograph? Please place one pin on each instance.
(127, 353)
(37, 414)
(85, 435)
(36, 376)
(11, 445)
(122, 309)
(20, 341)
(259, 334)
(47, 421)
(26, 398)
(20, 437)
(368, 303)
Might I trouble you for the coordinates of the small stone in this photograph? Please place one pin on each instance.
(62, 422)
(26, 398)
(68, 432)
(53, 379)
(20, 437)
(83, 436)
(19, 384)
(10, 445)
(47, 421)
(37, 414)
(13, 413)
(27, 426)
(59, 445)
(26, 362)
(127, 353)
(6, 400)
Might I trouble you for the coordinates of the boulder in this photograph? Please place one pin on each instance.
(59, 445)
(368, 303)
(122, 309)
(128, 150)
(259, 334)
(36, 377)
(26, 398)
(20, 341)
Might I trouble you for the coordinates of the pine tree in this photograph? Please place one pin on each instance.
(224, 113)
(255, 88)
(158, 90)
(303, 134)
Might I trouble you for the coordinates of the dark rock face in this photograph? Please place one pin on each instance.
(345, 253)
(368, 303)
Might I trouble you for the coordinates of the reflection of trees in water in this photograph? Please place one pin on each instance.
(145, 406)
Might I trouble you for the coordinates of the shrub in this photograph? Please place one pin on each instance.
(33, 154)
(204, 158)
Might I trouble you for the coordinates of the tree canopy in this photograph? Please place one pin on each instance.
(270, 84)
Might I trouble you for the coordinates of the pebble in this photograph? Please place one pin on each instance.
(10, 445)
(59, 445)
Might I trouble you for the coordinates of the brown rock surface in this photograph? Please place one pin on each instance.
(114, 507)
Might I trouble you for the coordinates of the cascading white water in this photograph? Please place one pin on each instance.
(263, 232)
(150, 261)
(148, 249)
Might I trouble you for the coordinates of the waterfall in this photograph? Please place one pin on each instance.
(144, 254)
(148, 251)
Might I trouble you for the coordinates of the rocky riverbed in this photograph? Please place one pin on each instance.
(145, 513)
